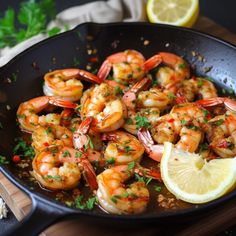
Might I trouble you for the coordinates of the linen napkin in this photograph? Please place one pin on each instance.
(99, 12)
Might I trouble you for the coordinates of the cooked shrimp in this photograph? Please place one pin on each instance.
(45, 136)
(183, 126)
(198, 87)
(153, 98)
(221, 135)
(149, 115)
(57, 168)
(108, 111)
(27, 112)
(222, 130)
(82, 141)
(127, 66)
(122, 148)
(131, 95)
(173, 73)
(143, 104)
(183, 123)
(65, 83)
(115, 198)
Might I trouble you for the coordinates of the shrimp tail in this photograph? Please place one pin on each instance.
(90, 77)
(61, 103)
(152, 62)
(180, 97)
(229, 104)
(89, 174)
(150, 173)
(80, 138)
(104, 70)
(154, 151)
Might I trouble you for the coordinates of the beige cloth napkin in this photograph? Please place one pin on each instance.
(99, 12)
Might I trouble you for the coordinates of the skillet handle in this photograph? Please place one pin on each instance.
(41, 216)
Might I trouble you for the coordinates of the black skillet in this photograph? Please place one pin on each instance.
(70, 48)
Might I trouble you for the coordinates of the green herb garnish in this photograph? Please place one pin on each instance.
(32, 20)
(3, 160)
(118, 91)
(142, 122)
(23, 149)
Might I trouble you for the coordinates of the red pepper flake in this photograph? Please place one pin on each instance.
(194, 78)
(16, 159)
(171, 120)
(46, 144)
(93, 59)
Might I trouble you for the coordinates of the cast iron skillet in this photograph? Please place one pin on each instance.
(68, 48)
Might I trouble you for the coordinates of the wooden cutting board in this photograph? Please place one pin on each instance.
(215, 222)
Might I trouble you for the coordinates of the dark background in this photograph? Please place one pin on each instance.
(221, 11)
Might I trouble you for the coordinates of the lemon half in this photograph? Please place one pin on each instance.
(173, 12)
(192, 179)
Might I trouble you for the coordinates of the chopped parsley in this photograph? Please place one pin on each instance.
(127, 149)
(78, 154)
(85, 205)
(219, 122)
(128, 121)
(3, 160)
(143, 179)
(203, 147)
(89, 143)
(157, 188)
(66, 153)
(110, 161)
(114, 198)
(109, 77)
(184, 122)
(23, 149)
(118, 91)
(55, 177)
(171, 96)
(131, 166)
(142, 122)
(199, 83)
(49, 130)
(182, 66)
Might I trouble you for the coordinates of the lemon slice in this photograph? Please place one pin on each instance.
(173, 12)
(192, 179)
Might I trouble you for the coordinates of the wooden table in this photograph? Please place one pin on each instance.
(215, 222)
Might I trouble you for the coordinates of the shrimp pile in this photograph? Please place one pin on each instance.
(103, 135)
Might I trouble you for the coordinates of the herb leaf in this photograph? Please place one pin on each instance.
(32, 20)
(142, 122)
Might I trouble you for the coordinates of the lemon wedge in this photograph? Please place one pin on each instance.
(192, 179)
(173, 12)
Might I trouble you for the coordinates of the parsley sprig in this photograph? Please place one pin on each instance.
(32, 20)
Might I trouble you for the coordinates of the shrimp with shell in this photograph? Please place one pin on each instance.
(60, 168)
(117, 198)
(122, 148)
(128, 67)
(101, 103)
(51, 135)
(66, 83)
(28, 112)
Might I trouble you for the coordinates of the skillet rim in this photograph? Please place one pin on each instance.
(145, 216)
